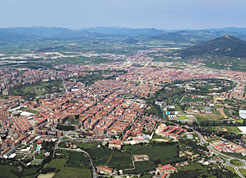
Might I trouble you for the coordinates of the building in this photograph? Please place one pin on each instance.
(104, 170)
(115, 144)
(242, 114)
(168, 169)
(140, 157)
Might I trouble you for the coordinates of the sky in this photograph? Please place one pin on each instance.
(162, 14)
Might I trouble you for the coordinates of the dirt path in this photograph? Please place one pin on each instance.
(48, 175)
(222, 112)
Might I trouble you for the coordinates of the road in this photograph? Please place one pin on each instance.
(238, 172)
(229, 158)
(201, 138)
(64, 86)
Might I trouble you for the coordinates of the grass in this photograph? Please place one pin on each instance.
(189, 99)
(195, 167)
(69, 172)
(157, 137)
(230, 129)
(147, 176)
(141, 167)
(120, 160)
(243, 172)
(77, 159)
(192, 171)
(213, 139)
(231, 169)
(57, 163)
(79, 169)
(236, 162)
(236, 155)
(33, 90)
(182, 118)
(6, 171)
(158, 154)
(234, 130)
(33, 111)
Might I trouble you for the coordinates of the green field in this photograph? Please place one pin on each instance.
(57, 163)
(69, 172)
(6, 171)
(33, 111)
(231, 169)
(182, 118)
(74, 164)
(30, 91)
(230, 129)
(189, 99)
(159, 154)
(162, 153)
(119, 160)
(197, 170)
(236, 162)
(195, 167)
(77, 159)
(213, 139)
(147, 176)
(243, 172)
(141, 167)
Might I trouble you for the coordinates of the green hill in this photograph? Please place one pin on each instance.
(223, 46)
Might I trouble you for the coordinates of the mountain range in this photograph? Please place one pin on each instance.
(10, 35)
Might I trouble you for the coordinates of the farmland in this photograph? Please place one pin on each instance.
(77, 159)
(71, 164)
(159, 153)
(6, 171)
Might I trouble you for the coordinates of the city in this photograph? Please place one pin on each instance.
(113, 89)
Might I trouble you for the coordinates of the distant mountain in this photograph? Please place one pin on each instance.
(228, 29)
(10, 35)
(42, 33)
(222, 46)
(130, 32)
(130, 41)
(199, 36)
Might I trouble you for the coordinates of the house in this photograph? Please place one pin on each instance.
(168, 169)
(104, 170)
(115, 144)
(140, 157)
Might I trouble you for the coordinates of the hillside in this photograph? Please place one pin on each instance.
(223, 46)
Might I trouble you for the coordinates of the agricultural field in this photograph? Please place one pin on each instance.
(72, 164)
(197, 170)
(119, 160)
(77, 159)
(6, 171)
(141, 167)
(159, 153)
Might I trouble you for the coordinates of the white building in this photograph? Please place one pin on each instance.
(242, 114)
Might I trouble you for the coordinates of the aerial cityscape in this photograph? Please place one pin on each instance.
(98, 100)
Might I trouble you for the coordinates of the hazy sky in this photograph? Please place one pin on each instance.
(164, 14)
